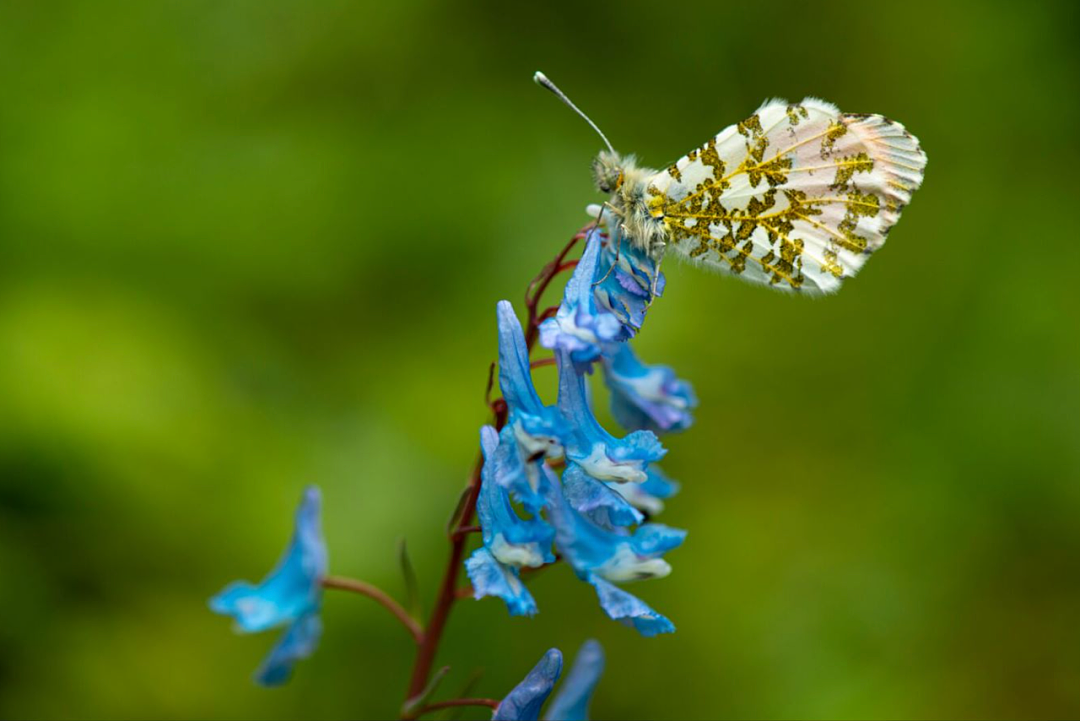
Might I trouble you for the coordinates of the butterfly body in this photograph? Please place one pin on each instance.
(795, 197)
(628, 185)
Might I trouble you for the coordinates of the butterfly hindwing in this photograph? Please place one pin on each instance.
(796, 196)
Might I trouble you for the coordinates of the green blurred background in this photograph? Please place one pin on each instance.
(246, 246)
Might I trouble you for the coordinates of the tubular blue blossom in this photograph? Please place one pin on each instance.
(646, 397)
(600, 454)
(627, 290)
(648, 497)
(538, 429)
(600, 555)
(290, 594)
(510, 542)
(523, 703)
(581, 327)
(571, 703)
(604, 506)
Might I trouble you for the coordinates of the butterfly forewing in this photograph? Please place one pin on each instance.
(796, 196)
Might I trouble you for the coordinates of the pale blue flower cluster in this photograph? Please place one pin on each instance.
(291, 595)
(596, 514)
(524, 702)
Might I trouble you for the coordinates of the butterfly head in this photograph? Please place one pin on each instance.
(609, 171)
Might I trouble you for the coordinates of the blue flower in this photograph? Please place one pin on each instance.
(571, 703)
(600, 454)
(646, 397)
(628, 289)
(510, 542)
(291, 594)
(599, 555)
(606, 507)
(581, 327)
(648, 497)
(538, 429)
(525, 701)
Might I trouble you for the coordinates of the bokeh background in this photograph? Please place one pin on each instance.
(246, 246)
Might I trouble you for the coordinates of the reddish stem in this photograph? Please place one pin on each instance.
(448, 592)
(376, 593)
(489, 702)
(541, 362)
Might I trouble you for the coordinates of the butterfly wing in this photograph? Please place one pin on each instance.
(796, 196)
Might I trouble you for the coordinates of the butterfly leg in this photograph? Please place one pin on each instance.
(655, 282)
(618, 247)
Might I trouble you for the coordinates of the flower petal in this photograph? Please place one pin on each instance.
(613, 554)
(299, 641)
(538, 428)
(629, 609)
(645, 397)
(601, 504)
(571, 703)
(580, 326)
(290, 591)
(524, 702)
(491, 578)
(648, 497)
(600, 454)
(511, 539)
(627, 290)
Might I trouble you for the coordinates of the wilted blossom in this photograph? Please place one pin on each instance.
(291, 594)
(629, 288)
(571, 703)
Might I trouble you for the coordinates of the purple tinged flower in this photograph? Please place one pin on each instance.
(523, 703)
(600, 454)
(290, 595)
(627, 290)
(581, 327)
(646, 397)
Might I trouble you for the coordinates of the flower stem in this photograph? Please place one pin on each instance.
(429, 639)
(489, 702)
(376, 593)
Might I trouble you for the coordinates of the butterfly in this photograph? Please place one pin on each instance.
(796, 197)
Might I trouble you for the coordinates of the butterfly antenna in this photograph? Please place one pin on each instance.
(543, 81)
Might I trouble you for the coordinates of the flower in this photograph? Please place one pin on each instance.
(605, 507)
(629, 288)
(599, 555)
(643, 396)
(648, 497)
(571, 703)
(523, 703)
(538, 429)
(510, 542)
(580, 326)
(291, 594)
(600, 454)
